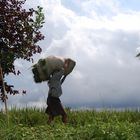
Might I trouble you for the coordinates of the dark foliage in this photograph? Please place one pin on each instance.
(19, 35)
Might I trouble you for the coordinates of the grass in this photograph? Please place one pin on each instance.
(31, 124)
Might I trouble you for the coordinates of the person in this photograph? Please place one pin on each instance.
(55, 107)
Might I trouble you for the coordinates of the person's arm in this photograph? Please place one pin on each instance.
(65, 71)
(63, 79)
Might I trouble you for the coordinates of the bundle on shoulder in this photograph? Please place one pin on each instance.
(44, 68)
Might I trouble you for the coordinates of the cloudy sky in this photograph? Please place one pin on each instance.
(102, 37)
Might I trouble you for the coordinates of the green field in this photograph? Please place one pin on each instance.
(31, 124)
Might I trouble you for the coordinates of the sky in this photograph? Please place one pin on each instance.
(102, 36)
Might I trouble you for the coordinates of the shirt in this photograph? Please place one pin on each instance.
(55, 89)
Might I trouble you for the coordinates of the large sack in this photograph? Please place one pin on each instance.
(45, 67)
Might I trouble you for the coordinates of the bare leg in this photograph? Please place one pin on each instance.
(64, 118)
(51, 118)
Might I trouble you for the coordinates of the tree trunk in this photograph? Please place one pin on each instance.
(4, 92)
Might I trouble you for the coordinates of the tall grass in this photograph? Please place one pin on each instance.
(31, 124)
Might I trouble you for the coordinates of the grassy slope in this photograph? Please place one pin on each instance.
(31, 124)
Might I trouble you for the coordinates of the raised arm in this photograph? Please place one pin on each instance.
(63, 79)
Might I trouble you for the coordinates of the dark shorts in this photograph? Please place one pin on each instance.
(55, 107)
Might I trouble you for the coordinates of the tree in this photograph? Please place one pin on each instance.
(19, 37)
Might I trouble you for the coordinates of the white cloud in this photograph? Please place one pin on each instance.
(103, 45)
(99, 8)
(102, 48)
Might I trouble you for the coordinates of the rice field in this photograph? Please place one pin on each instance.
(31, 124)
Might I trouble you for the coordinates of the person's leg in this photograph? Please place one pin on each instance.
(62, 112)
(49, 110)
(64, 115)
(64, 118)
(56, 108)
(50, 119)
